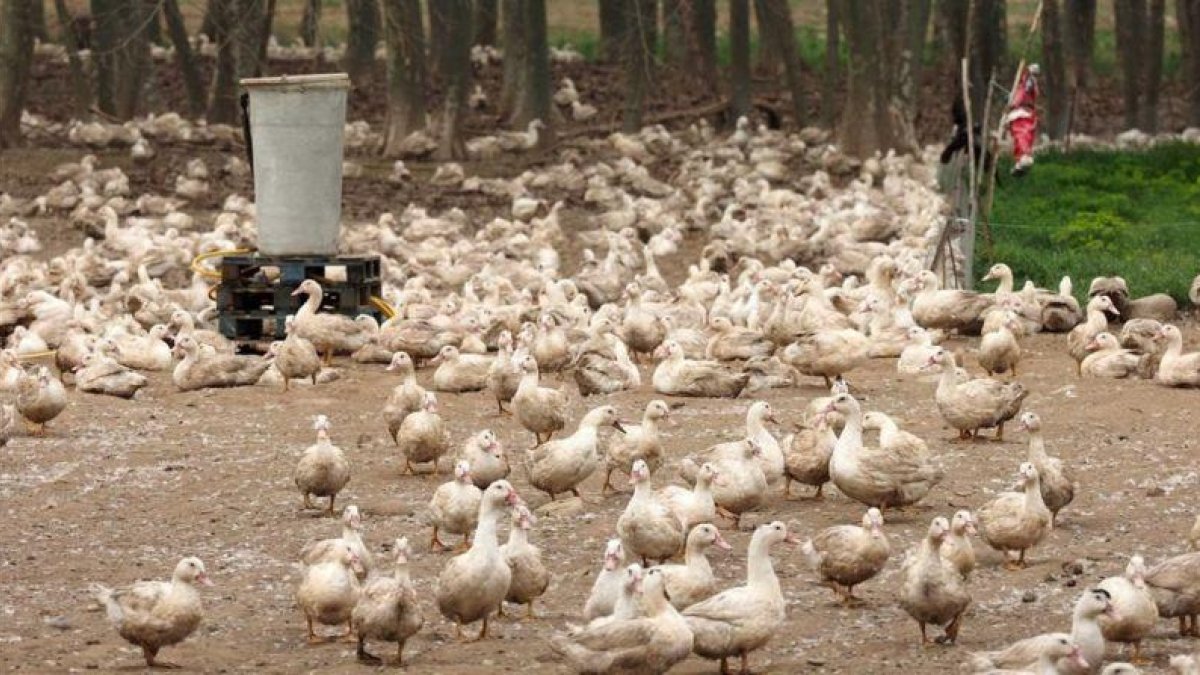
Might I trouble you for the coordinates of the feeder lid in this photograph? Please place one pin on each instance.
(299, 82)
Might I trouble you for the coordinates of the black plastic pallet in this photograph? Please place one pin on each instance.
(255, 295)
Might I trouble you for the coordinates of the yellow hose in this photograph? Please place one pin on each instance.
(379, 303)
(36, 355)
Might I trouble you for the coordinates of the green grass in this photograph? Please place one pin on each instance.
(1091, 213)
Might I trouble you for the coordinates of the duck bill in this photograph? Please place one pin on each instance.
(204, 580)
(791, 538)
(876, 532)
(721, 543)
(513, 499)
(298, 291)
(617, 425)
(1078, 660)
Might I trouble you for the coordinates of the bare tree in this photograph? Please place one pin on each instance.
(486, 16)
(536, 100)
(404, 33)
(193, 85)
(1139, 28)
(1080, 31)
(310, 22)
(739, 47)
(1187, 15)
(699, 19)
(675, 48)
(881, 98)
(457, 75)
(612, 29)
(363, 22)
(222, 105)
(776, 28)
(81, 96)
(829, 75)
(769, 61)
(639, 61)
(16, 56)
(1054, 66)
(131, 56)
(104, 45)
(515, 44)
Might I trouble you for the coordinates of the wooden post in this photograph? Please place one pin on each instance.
(968, 236)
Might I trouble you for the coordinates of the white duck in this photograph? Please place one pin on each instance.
(693, 581)
(157, 614)
(322, 470)
(1135, 612)
(694, 506)
(607, 587)
(454, 507)
(329, 590)
(388, 608)
(1016, 521)
(648, 528)
(472, 585)
(740, 620)
(560, 466)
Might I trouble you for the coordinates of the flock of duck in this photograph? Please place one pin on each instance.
(805, 278)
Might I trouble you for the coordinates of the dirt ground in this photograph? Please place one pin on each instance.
(120, 490)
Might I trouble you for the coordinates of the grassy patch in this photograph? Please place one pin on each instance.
(1091, 213)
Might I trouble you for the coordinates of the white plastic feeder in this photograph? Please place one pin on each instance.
(296, 126)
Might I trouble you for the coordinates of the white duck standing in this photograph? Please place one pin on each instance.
(323, 470)
(530, 578)
(329, 590)
(607, 586)
(157, 614)
(472, 585)
(740, 620)
(560, 466)
(388, 608)
(648, 528)
(454, 507)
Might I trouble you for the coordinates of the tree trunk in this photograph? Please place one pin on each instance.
(699, 19)
(106, 14)
(1152, 61)
(193, 85)
(1187, 15)
(769, 62)
(776, 27)
(536, 95)
(310, 23)
(37, 21)
(404, 33)
(1080, 31)
(1055, 84)
(264, 36)
(248, 36)
(515, 44)
(486, 17)
(438, 38)
(675, 47)
(638, 61)
(612, 30)
(222, 106)
(16, 57)
(952, 19)
(1129, 18)
(739, 48)
(905, 57)
(81, 96)
(648, 22)
(829, 75)
(988, 47)
(457, 75)
(363, 34)
(132, 58)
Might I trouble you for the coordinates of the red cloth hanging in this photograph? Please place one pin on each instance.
(1021, 119)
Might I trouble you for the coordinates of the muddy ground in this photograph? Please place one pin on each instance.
(120, 490)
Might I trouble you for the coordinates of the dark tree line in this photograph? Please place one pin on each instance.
(873, 56)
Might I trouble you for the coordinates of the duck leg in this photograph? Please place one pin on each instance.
(331, 498)
(924, 638)
(952, 630)
(349, 635)
(286, 380)
(400, 653)
(408, 468)
(999, 433)
(820, 492)
(530, 615)
(575, 492)
(363, 655)
(1183, 626)
(307, 502)
(313, 638)
(1137, 657)
(724, 665)
(607, 483)
(745, 663)
(483, 630)
(436, 544)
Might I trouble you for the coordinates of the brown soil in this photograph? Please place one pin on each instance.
(120, 490)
